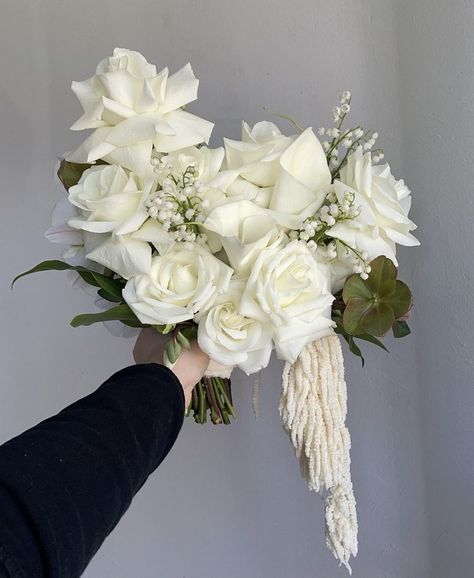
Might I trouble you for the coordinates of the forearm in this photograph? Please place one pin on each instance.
(66, 482)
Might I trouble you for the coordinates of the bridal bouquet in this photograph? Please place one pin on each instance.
(272, 242)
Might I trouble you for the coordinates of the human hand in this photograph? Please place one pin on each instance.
(189, 368)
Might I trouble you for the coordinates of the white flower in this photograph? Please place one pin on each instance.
(131, 108)
(303, 181)
(256, 156)
(111, 207)
(289, 289)
(244, 229)
(124, 254)
(384, 203)
(207, 163)
(254, 160)
(232, 339)
(180, 284)
(79, 242)
(61, 232)
(110, 199)
(210, 182)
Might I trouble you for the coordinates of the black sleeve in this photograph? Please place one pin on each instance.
(65, 483)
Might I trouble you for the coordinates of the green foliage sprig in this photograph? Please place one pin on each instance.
(368, 309)
(108, 287)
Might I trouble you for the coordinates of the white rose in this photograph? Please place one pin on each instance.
(232, 339)
(125, 255)
(206, 162)
(210, 182)
(302, 183)
(254, 160)
(383, 221)
(180, 284)
(131, 108)
(289, 289)
(110, 199)
(110, 203)
(244, 229)
(79, 242)
(256, 156)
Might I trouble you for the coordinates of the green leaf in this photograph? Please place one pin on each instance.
(400, 329)
(112, 286)
(173, 350)
(354, 314)
(355, 349)
(52, 265)
(400, 300)
(189, 331)
(109, 296)
(286, 117)
(183, 340)
(119, 313)
(372, 339)
(378, 319)
(70, 173)
(382, 276)
(89, 278)
(356, 288)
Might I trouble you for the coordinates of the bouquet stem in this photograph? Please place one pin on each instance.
(213, 394)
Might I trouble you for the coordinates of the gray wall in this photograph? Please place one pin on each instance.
(229, 501)
(437, 80)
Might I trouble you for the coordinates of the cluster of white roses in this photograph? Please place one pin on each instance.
(250, 240)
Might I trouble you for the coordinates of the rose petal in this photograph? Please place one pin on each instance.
(124, 255)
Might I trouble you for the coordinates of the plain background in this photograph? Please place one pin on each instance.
(229, 501)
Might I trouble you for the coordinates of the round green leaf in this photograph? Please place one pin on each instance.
(400, 300)
(356, 288)
(378, 320)
(353, 315)
(382, 276)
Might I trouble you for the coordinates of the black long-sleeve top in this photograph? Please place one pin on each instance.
(65, 483)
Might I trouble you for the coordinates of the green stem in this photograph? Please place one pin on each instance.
(211, 395)
(221, 403)
(222, 387)
(202, 404)
(195, 400)
(337, 140)
(352, 148)
(359, 255)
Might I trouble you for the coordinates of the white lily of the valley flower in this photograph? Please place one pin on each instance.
(131, 108)
(179, 285)
(384, 204)
(289, 289)
(244, 229)
(110, 199)
(230, 338)
(303, 181)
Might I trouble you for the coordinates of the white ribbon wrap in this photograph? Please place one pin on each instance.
(215, 369)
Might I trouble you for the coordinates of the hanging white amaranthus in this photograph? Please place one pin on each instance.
(313, 409)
